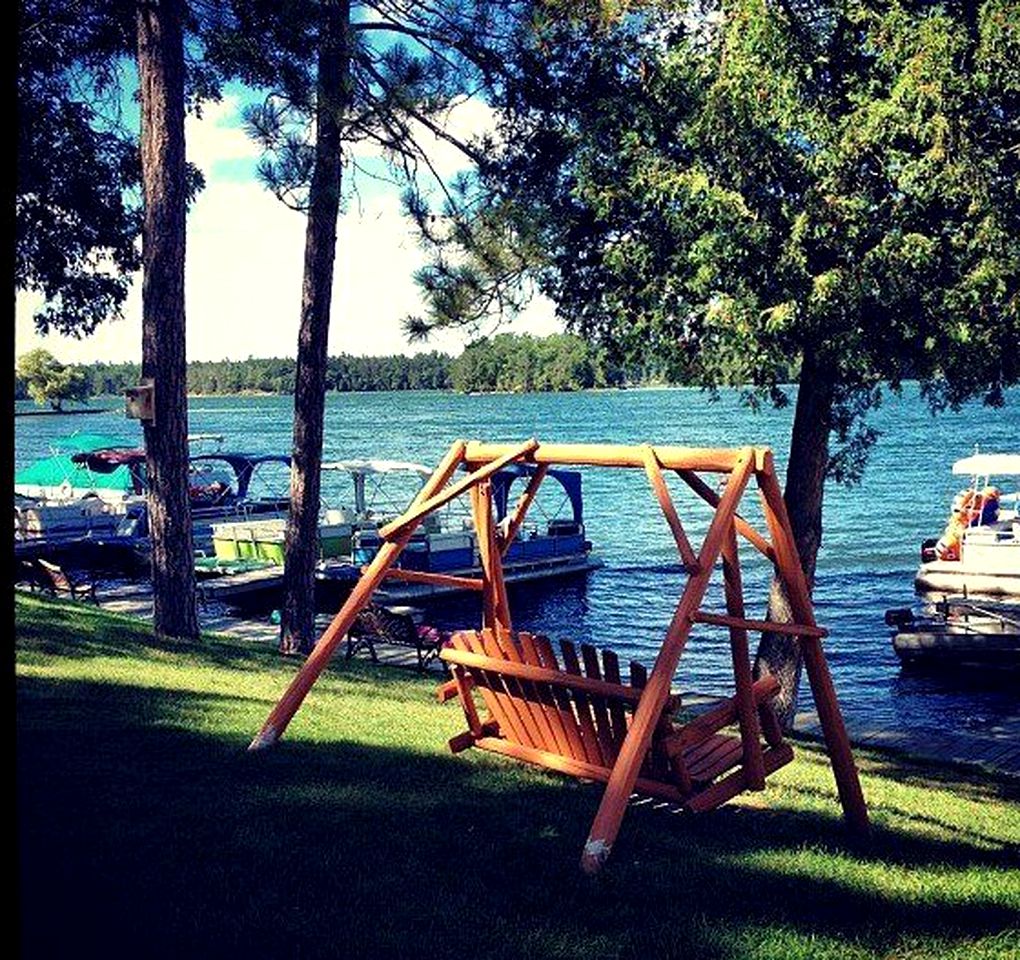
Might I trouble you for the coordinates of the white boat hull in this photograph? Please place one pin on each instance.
(956, 577)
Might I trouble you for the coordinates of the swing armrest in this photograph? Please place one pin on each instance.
(702, 727)
(448, 690)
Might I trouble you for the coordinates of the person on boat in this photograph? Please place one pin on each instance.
(971, 508)
(213, 493)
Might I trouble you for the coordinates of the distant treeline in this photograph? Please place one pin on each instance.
(525, 364)
(425, 371)
(507, 363)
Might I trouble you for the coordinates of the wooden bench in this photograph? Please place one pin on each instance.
(574, 720)
(55, 581)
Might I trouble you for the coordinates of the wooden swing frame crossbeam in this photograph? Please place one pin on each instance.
(762, 626)
(536, 720)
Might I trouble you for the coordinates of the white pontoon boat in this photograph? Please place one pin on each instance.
(979, 553)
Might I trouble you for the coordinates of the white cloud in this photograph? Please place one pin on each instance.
(218, 137)
(245, 252)
(465, 120)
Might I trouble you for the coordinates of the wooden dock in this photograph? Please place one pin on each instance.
(995, 746)
(263, 585)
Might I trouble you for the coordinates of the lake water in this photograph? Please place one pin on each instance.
(866, 565)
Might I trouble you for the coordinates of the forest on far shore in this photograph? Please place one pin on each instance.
(507, 362)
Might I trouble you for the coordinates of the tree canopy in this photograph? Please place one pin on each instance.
(78, 216)
(745, 187)
(76, 205)
(524, 364)
(49, 382)
(734, 187)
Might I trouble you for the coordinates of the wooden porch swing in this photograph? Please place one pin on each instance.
(588, 723)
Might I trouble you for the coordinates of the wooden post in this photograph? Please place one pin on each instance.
(483, 533)
(521, 510)
(710, 497)
(494, 566)
(419, 508)
(607, 820)
(750, 733)
(661, 491)
(292, 698)
(855, 809)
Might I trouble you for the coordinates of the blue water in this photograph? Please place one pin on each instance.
(866, 564)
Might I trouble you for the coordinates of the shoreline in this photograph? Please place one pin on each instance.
(639, 388)
(995, 751)
(63, 413)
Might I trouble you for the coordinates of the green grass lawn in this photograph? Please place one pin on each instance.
(147, 830)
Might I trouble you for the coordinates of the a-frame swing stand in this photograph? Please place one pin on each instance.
(592, 725)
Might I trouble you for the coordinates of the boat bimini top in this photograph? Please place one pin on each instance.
(377, 466)
(988, 464)
(382, 500)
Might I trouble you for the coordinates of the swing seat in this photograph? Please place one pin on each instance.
(575, 722)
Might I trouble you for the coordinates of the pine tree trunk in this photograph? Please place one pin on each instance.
(297, 625)
(778, 654)
(161, 79)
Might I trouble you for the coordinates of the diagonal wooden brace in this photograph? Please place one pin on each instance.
(628, 763)
(418, 510)
(294, 695)
(654, 470)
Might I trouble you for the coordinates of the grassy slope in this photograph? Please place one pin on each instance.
(146, 830)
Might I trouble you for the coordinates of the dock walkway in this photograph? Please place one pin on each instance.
(995, 748)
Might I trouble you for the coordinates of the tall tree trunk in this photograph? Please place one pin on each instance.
(297, 624)
(779, 654)
(161, 78)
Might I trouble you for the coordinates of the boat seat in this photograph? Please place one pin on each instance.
(573, 718)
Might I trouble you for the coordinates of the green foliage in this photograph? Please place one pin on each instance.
(526, 364)
(407, 65)
(735, 187)
(77, 196)
(428, 371)
(48, 381)
(143, 817)
(424, 371)
(505, 362)
(76, 206)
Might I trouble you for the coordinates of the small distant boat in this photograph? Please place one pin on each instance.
(958, 634)
(979, 552)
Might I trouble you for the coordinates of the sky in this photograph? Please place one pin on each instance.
(244, 259)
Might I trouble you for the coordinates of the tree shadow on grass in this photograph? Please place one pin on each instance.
(139, 834)
(49, 628)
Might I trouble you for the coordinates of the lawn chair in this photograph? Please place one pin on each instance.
(57, 582)
(575, 723)
(29, 575)
(393, 625)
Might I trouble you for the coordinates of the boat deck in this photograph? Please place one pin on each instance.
(255, 585)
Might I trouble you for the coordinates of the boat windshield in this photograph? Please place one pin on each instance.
(371, 489)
